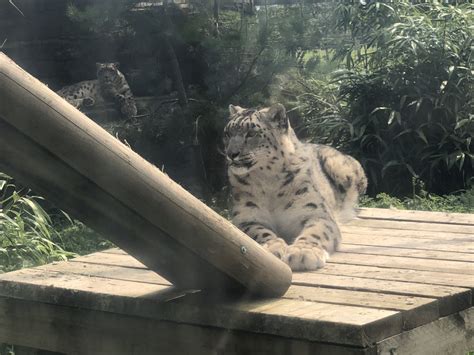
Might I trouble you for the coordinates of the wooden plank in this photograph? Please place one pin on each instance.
(106, 271)
(416, 216)
(451, 299)
(454, 267)
(357, 326)
(113, 251)
(421, 226)
(448, 335)
(406, 252)
(303, 320)
(119, 258)
(413, 288)
(39, 280)
(416, 310)
(409, 243)
(101, 258)
(79, 331)
(356, 298)
(394, 232)
(458, 267)
(394, 274)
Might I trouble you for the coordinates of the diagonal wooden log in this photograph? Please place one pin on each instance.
(52, 147)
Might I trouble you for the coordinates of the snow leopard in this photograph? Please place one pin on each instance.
(288, 195)
(110, 85)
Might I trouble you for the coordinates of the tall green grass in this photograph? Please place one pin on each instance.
(29, 236)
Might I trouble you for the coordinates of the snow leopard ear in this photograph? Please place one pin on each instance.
(277, 113)
(99, 65)
(233, 110)
(116, 65)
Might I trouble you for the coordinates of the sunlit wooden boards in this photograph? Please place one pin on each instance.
(55, 149)
(371, 298)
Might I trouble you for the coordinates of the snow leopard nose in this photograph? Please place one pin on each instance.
(234, 147)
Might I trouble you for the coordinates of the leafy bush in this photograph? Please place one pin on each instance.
(405, 97)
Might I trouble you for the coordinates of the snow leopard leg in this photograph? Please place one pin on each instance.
(265, 236)
(310, 250)
(347, 178)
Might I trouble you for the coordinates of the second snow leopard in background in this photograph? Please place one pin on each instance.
(110, 86)
(288, 195)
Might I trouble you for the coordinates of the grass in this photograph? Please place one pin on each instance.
(462, 202)
(32, 236)
(81, 240)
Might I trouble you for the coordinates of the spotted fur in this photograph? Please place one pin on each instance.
(110, 85)
(288, 195)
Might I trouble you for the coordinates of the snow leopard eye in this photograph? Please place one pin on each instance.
(251, 134)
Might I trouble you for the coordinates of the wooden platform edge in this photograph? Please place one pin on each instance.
(306, 321)
(453, 334)
(58, 328)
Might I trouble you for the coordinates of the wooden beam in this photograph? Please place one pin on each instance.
(176, 225)
(80, 331)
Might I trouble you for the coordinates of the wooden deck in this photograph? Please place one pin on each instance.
(402, 284)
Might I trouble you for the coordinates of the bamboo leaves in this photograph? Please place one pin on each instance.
(406, 94)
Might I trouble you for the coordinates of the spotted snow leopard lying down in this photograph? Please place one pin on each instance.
(110, 85)
(288, 195)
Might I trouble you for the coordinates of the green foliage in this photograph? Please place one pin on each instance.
(401, 102)
(79, 239)
(405, 96)
(424, 201)
(107, 17)
(250, 52)
(27, 235)
(6, 349)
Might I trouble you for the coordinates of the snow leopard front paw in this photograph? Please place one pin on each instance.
(277, 247)
(302, 256)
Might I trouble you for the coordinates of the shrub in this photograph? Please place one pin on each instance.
(405, 97)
